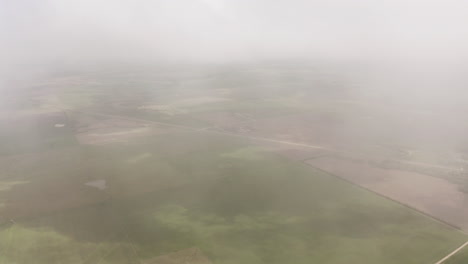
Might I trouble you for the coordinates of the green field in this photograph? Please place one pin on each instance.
(235, 202)
(87, 178)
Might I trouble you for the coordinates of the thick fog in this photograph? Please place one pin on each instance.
(412, 53)
(66, 30)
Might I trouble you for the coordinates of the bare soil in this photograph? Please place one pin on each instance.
(434, 196)
(93, 131)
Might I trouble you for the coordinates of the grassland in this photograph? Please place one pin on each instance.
(169, 189)
(236, 203)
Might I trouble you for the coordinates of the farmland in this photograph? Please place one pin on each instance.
(211, 166)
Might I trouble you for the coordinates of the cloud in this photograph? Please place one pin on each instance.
(87, 30)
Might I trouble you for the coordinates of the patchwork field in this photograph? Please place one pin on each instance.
(233, 202)
(434, 196)
(94, 172)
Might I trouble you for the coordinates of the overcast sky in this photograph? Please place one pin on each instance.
(56, 30)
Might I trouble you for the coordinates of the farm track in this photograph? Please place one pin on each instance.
(278, 142)
(296, 144)
(452, 253)
(208, 130)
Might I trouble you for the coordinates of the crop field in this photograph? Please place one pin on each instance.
(185, 174)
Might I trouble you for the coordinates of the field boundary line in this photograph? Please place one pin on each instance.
(426, 215)
(422, 213)
(206, 130)
(452, 253)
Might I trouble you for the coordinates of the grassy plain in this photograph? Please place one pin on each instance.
(166, 189)
(234, 202)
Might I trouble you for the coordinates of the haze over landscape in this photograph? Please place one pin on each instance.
(233, 131)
